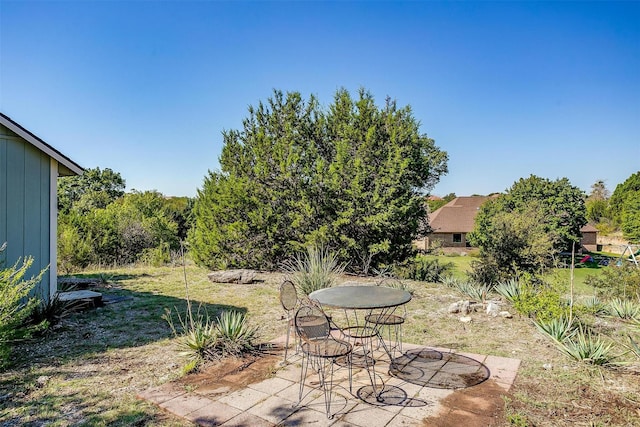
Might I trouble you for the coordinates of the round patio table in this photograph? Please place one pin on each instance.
(369, 298)
(366, 297)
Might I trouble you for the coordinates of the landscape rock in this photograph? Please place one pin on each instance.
(463, 307)
(232, 276)
(41, 381)
(493, 308)
(465, 319)
(506, 314)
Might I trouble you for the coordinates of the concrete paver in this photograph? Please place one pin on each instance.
(411, 399)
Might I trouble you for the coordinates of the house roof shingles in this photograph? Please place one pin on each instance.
(457, 216)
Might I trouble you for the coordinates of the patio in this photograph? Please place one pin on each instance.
(436, 387)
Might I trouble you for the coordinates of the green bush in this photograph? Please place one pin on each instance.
(424, 269)
(541, 303)
(617, 281)
(16, 305)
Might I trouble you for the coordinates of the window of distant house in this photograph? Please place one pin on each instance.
(457, 238)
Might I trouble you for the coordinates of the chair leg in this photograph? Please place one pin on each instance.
(286, 345)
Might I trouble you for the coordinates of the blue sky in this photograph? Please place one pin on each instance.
(508, 89)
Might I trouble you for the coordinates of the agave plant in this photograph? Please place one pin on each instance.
(558, 329)
(235, 335)
(450, 281)
(472, 290)
(510, 290)
(584, 347)
(594, 305)
(624, 308)
(316, 269)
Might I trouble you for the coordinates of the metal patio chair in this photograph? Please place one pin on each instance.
(320, 349)
(389, 323)
(289, 303)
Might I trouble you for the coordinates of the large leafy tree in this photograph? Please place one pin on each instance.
(523, 228)
(351, 178)
(597, 202)
(623, 206)
(95, 188)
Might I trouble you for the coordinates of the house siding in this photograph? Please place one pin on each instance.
(25, 186)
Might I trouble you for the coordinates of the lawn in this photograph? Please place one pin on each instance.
(462, 264)
(88, 370)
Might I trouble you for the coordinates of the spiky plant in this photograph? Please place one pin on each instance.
(624, 308)
(558, 329)
(235, 335)
(584, 347)
(510, 290)
(316, 269)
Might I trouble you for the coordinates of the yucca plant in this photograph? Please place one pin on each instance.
(594, 305)
(473, 290)
(197, 336)
(558, 329)
(584, 347)
(510, 290)
(313, 270)
(624, 308)
(450, 281)
(235, 335)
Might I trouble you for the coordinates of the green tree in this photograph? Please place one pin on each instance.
(631, 217)
(438, 203)
(624, 207)
(598, 202)
(523, 228)
(95, 188)
(350, 178)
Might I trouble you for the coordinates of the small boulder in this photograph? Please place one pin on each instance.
(506, 314)
(465, 319)
(232, 276)
(493, 309)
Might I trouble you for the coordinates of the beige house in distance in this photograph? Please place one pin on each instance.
(454, 221)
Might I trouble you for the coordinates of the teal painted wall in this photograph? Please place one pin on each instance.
(24, 204)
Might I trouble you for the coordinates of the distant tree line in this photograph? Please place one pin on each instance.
(100, 224)
(617, 211)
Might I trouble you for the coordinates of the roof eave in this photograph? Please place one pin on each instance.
(68, 166)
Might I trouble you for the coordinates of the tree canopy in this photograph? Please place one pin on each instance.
(523, 228)
(352, 178)
(95, 188)
(624, 207)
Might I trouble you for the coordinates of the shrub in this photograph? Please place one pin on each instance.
(313, 270)
(542, 304)
(617, 281)
(15, 303)
(424, 269)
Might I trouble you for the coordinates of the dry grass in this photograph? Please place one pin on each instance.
(89, 370)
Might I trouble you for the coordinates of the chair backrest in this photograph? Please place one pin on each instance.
(288, 295)
(311, 323)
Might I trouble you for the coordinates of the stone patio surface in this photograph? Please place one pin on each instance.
(428, 387)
